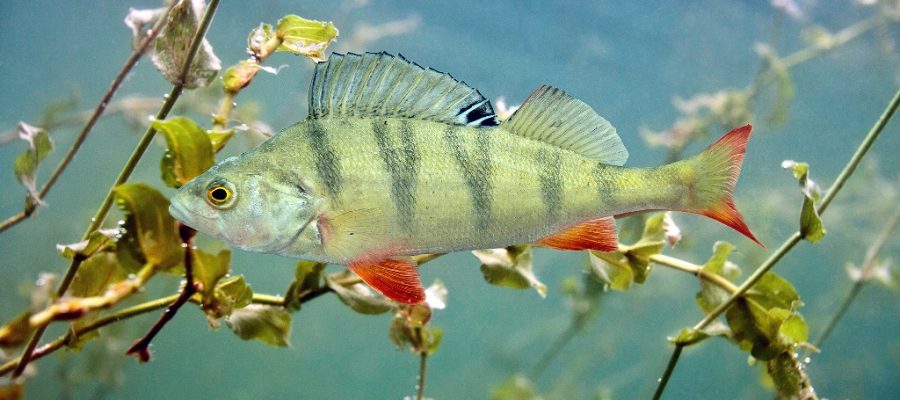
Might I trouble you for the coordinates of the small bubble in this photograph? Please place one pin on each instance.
(93, 219)
(120, 222)
(807, 360)
(166, 96)
(184, 245)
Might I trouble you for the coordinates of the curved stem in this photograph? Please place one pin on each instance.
(697, 270)
(795, 238)
(865, 269)
(98, 111)
(97, 221)
(120, 315)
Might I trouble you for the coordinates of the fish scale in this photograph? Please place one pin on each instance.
(396, 160)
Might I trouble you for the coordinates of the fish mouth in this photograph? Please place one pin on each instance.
(178, 212)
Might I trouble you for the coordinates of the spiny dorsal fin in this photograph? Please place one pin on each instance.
(552, 116)
(380, 84)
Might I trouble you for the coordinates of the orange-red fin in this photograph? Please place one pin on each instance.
(720, 165)
(397, 279)
(596, 234)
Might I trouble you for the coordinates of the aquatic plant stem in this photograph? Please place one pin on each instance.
(795, 238)
(867, 266)
(140, 348)
(142, 145)
(423, 368)
(118, 316)
(31, 205)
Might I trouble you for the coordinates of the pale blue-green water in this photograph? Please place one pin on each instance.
(626, 59)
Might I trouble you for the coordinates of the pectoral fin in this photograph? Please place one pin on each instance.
(596, 234)
(397, 279)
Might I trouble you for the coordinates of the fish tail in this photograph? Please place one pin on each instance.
(711, 179)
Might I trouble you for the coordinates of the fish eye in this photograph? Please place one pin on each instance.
(220, 194)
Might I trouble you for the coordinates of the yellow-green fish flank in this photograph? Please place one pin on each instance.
(396, 160)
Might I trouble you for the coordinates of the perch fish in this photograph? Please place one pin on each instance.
(396, 160)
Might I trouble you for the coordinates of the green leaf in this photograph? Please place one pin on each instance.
(811, 227)
(97, 241)
(754, 329)
(612, 269)
(307, 278)
(268, 324)
(208, 269)
(510, 267)
(358, 296)
(305, 37)
(16, 332)
(710, 296)
(219, 139)
(517, 387)
(774, 291)
(96, 274)
(408, 329)
(794, 329)
(786, 374)
(26, 164)
(231, 293)
(189, 150)
(152, 236)
(174, 42)
(239, 76)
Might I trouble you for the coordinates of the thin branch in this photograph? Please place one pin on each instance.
(423, 366)
(789, 244)
(673, 360)
(697, 270)
(140, 347)
(865, 269)
(97, 221)
(564, 338)
(118, 316)
(98, 111)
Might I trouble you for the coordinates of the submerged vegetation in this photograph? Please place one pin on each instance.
(760, 315)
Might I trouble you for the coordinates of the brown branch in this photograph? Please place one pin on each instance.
(139, 150)
(140, 348)
(31, 205)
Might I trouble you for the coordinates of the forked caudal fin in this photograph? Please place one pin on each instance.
(715, 172)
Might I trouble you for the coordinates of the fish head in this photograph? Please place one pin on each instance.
(256, 209)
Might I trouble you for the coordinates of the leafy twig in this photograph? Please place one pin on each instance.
(31, 205)
(105, 206)
(140, 347)
(866, 267)
(789, 244)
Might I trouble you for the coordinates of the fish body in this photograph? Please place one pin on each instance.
(395, 160)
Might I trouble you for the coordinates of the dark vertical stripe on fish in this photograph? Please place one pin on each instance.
(551, 182)
(401, 162)
(327, 165)
(475, 166)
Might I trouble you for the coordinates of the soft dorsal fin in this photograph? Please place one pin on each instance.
(552, 116)
(384, 85)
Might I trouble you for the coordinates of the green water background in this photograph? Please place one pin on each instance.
(626, 59)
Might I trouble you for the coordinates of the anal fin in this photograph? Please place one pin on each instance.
(596, 234)
(397, 279)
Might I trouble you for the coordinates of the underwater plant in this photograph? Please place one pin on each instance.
(114, 265)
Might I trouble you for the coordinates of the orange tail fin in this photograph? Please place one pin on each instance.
(717, 169)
